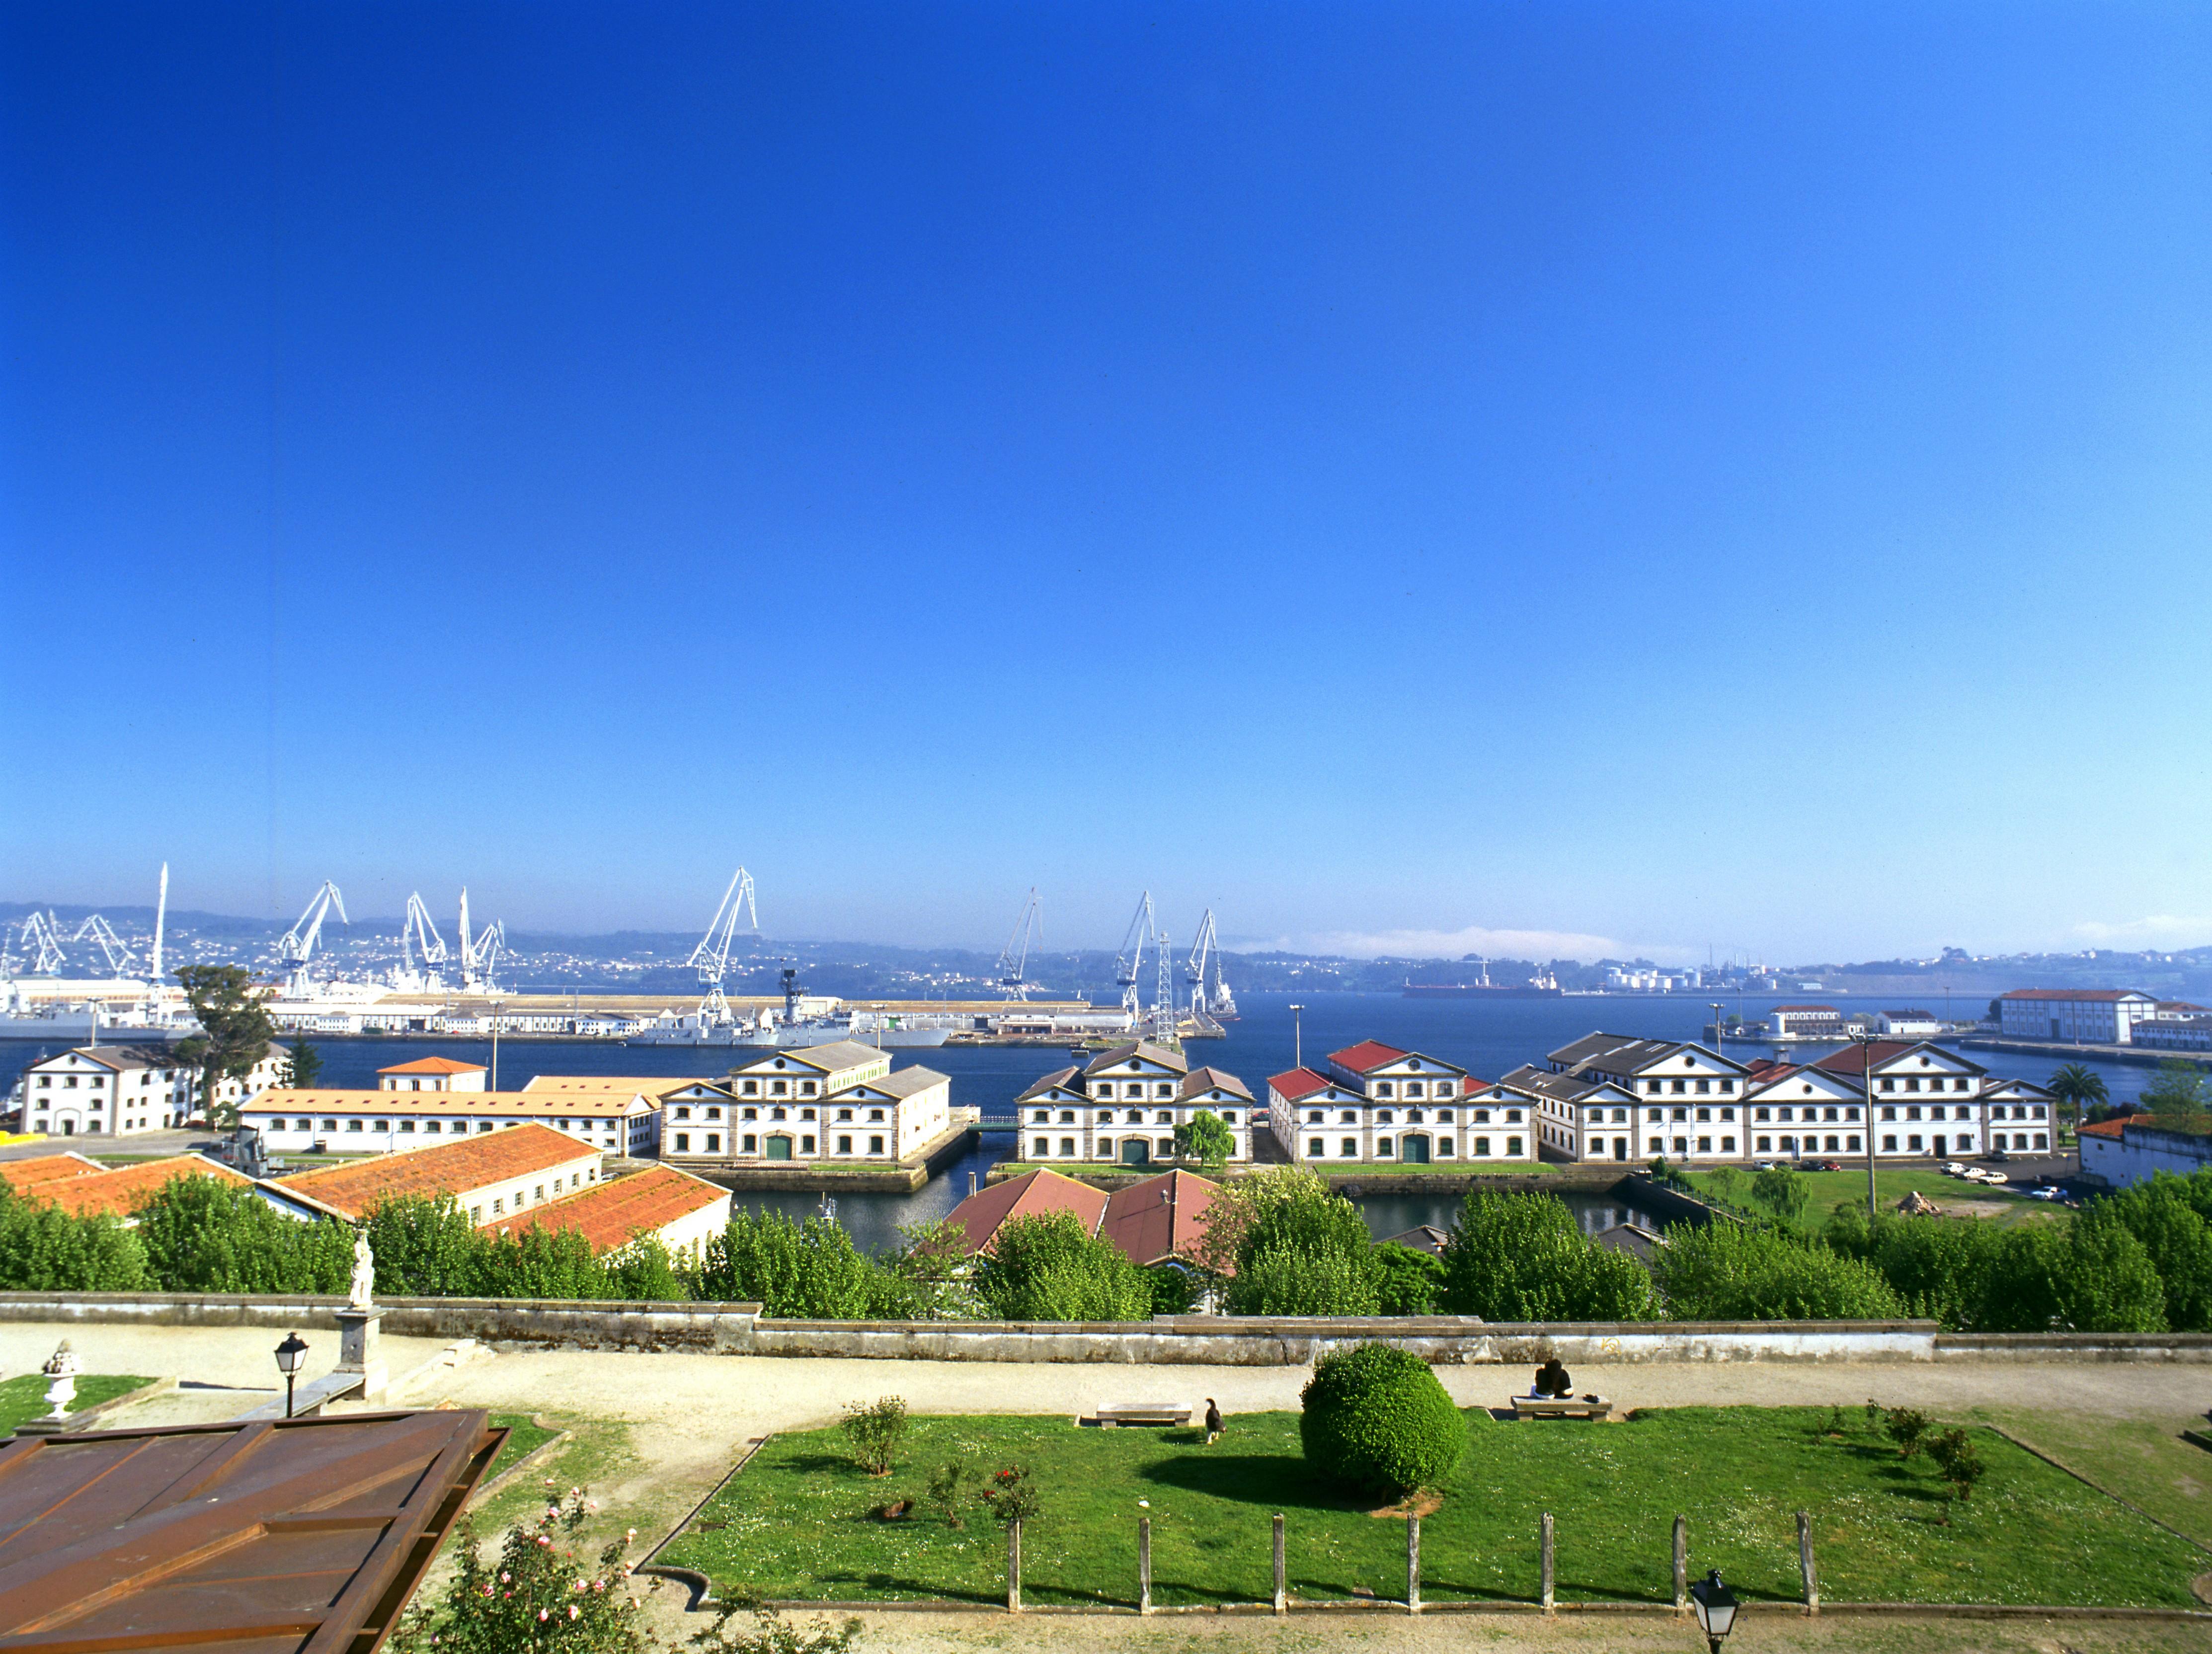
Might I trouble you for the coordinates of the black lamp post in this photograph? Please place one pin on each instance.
(1715, 1606)
(289, 1354)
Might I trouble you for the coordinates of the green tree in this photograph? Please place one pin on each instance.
(206, 1235)
(808, 1271)
(1939, 1267)
(1728, 1272)
(1048, 1268)
(1408, 1281)
(925, 1277)
(235, 1032)
(43, 1248)
(1781, 1191)
(1205, 1138)
(2161, 1214)
(1375, 1416)
(2094, 1277)
(427, 1247)
(1263, 1227)
(1287, 1277)
(302, 1067)
(2077, 1088)
(538, 1594)
(2178, 1093)
(1523, 1257)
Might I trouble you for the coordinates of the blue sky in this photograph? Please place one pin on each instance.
(1577, 478)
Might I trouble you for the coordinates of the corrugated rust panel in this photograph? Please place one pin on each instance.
(265, 1538)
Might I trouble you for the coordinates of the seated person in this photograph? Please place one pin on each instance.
(1552, 1380)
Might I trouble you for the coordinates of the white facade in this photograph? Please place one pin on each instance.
(1907, 1024)
(625, 1123)
(1375, 1103)
(2124, 1151)
(1123, 1106)
(433, 1075)
(833, 1103)
(1805, 1022)
(121, 1091)
(2077, 1016)
(1608, 1096)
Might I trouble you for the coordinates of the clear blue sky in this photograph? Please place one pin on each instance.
(1660, 475)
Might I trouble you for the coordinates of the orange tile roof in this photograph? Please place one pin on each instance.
(1031, 1194)
(434, 1066)
(22, 1175)
(608, 1214)
(615, 1100)
(654, 1085)
(121, 1192)
(455, 1169)
(1161, 1218)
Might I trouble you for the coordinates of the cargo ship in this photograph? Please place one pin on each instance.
(1542, 985)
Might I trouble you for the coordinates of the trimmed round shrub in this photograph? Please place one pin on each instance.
(1376, 1419)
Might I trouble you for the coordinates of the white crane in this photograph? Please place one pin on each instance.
(1129, 962)
(161, 920)
(711, 958)
(1210, 1001)
(1164, 1028)
(418, 934)
(480, 954)
(42, 940)
(1014, 957)
(297, 945)
(113, 948)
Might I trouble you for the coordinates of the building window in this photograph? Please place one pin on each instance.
(351, 1125)
(845, 1145)
(1316, 1148)
(1513, 1146)
(1041, 1149)
(684, 1142)
(750, 1144)
(805, 1144)
(498, 1206)
(1765, 1146)
(713, 1142)
(1350, 1150)
(1889, 1145)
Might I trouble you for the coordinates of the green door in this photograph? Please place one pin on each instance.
(1413, 1151)
(1136, 1152)
(779, 1148)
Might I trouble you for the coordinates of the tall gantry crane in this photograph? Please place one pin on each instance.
(297, 945)
(418, 936)
(42, 940)
(1210, 1001)
(480, 954)
(1129, 962)
(1014, 957)
(113, 948)
(711, 958)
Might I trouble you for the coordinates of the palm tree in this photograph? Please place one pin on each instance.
(2075, 1088)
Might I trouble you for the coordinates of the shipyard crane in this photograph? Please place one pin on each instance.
(1210, 1001)
(1164, 1028)
(418, 936)
(297, 945)
(711, 958)
(1129, 962)
(113, 948)
(1014, 957)
(42, 940)
(480, 954)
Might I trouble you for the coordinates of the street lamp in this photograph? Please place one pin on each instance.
(1297, 1037)
(289, 1354)
(1714, 1605)
(1717, 1036)
(1866, 1095)
(498, 1006)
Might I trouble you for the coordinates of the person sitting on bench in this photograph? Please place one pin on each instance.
(1552, 1380)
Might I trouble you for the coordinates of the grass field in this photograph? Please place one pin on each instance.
(1892, 1184)
(522, 1436)
(25, 1397)
(796, 1523)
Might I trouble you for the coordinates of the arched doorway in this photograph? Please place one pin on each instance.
(1413, 1149)
(779, 1148)
(1136, 1152)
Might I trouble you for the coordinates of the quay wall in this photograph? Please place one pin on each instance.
(1168, 1341)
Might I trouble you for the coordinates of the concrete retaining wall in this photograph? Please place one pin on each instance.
(1182, 1340)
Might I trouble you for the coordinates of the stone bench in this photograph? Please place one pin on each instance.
(1149, 1412)
(1561, 1406)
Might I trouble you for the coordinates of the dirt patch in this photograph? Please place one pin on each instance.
(1425, 1503)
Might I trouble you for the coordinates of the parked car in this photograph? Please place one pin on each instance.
(2046, 1194)
(1827, 1165)
(1953, 1169)
(1998, 1155)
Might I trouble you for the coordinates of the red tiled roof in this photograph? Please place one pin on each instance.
(1161, 1218)
(1366, 1056)
(22, 1175)
(123, 1191)
(1853, 1059)
(452, 1168)
(2102, 994)
(1031, 1194)
(609, 1214)
(434, 1066)
(2106, 1128)
(1294, 1083)
(1761, 1069)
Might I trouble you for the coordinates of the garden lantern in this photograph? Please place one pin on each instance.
(1714, 1604)
(290, 1355)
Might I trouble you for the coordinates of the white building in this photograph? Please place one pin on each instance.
(2118, 1153)
(1907, 1024)
(1805, 1022)
(1123, 1106)
(432, 1074)
(831, 1104)
(2080, 1016)
(1795, 1111)
(1374, 1102)
(1608, 1096)
(2177, 1025)
(121, 1090)
(506, 1171)
(1932, 1103)
(620, 1119)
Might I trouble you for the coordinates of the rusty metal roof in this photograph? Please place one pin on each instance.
(277, 1537)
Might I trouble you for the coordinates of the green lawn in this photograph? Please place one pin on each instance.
(2145, 1461)
(25, 1397)
(797, 1523)
(522, 1436)
(1892, 1184)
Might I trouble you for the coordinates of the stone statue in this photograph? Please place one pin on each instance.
(364, 1271)
(61, 1371)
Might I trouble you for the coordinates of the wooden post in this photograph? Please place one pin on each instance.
(1143, 1565)
(1681, 1564)
(1014, 1567)
(1282, 1596)
(1412, 1564)
(1547, 1562)
(1805, 1563)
